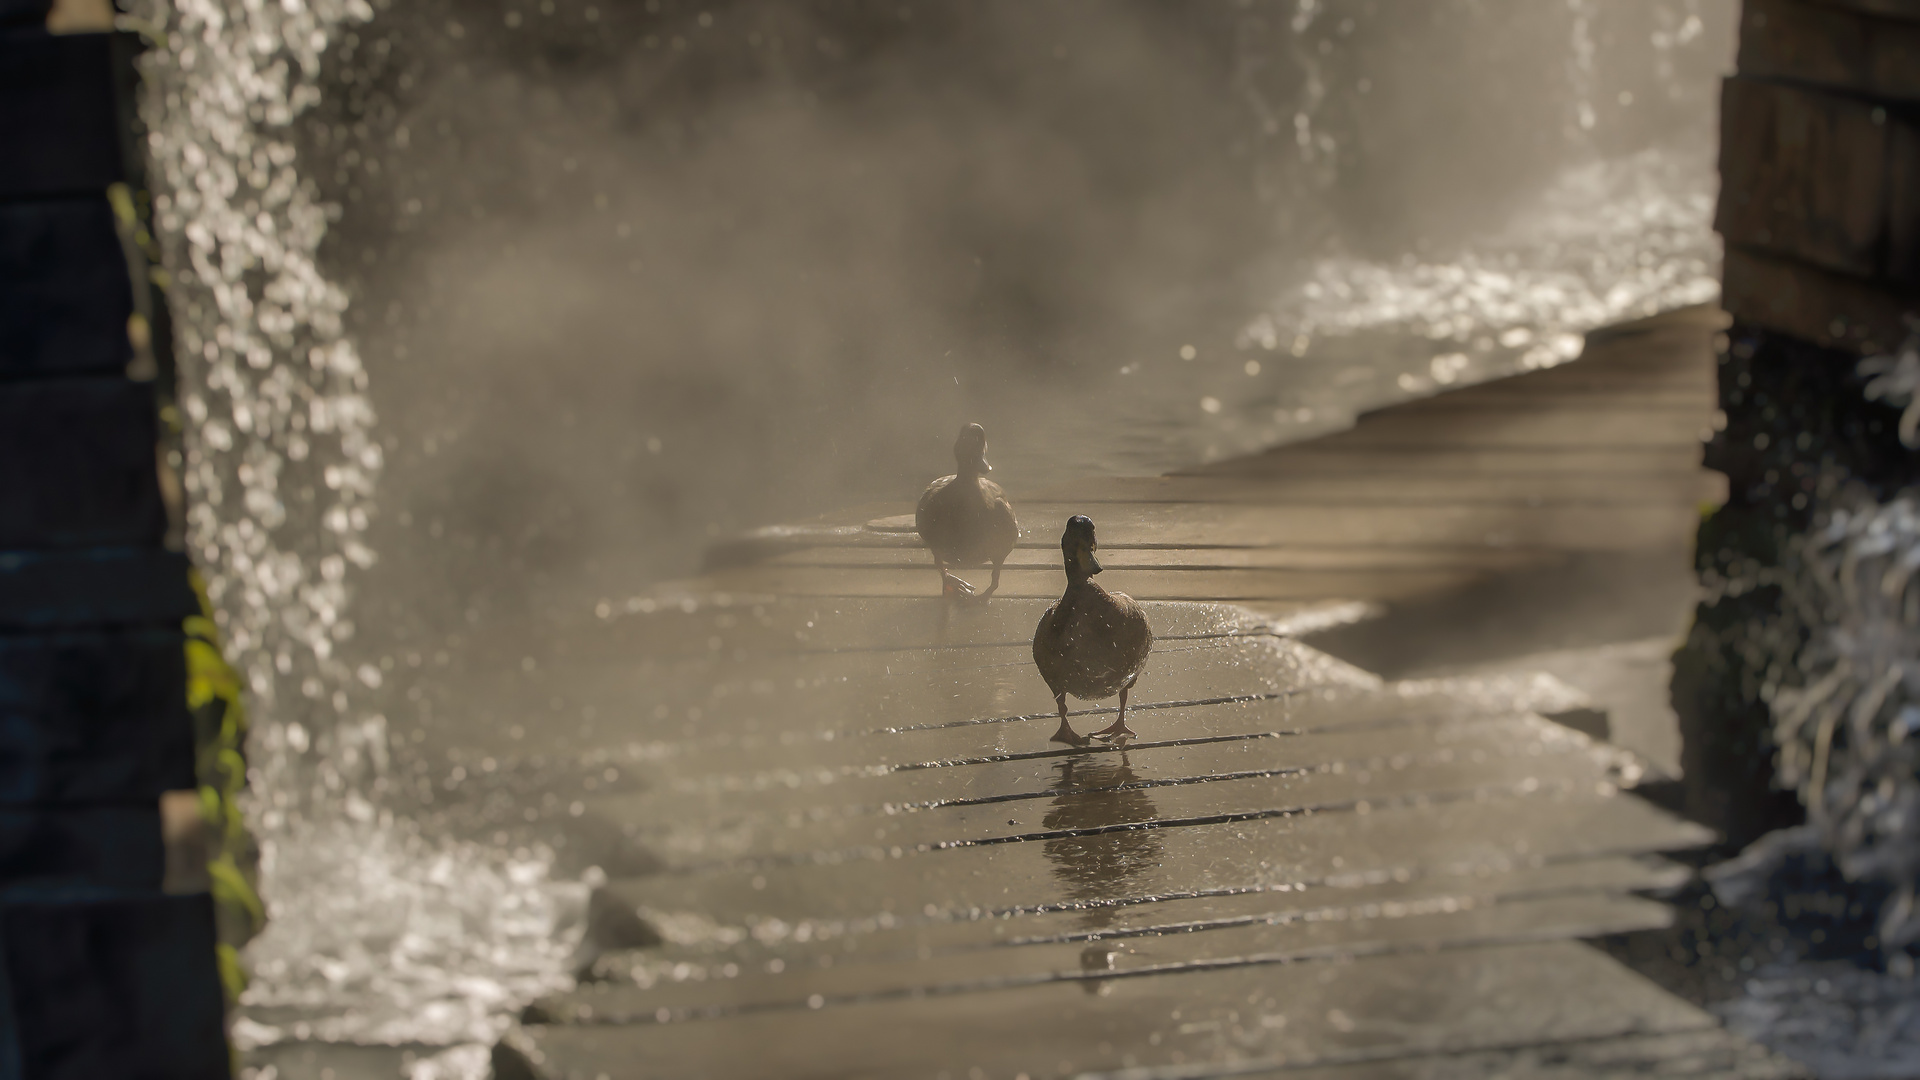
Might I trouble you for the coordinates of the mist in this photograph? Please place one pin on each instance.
(627, 278)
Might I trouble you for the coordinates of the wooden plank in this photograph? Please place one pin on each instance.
(1225, 779)
(1397, 1004)
(705, 720)
(1327, 456)
(1091, 871)
(1892, 9)
(1500, 428)
(1903, 213)
(1572, 528)
(1336, 928)
(1314, 490)
(708, 623)
(698, 771)
(1808, 175)
(1177, 752)
(1354, 897)
(1701, 1052)
(1512, 397)
(1830, 47)
(1203, 583)
(1828, 309)
(1378, 558)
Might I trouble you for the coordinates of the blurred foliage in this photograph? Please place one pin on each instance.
(220, 734)
(1790, 688)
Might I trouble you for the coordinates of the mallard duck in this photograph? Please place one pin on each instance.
(965, 519)
(1091, 643)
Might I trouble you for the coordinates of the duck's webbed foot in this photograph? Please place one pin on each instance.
(1118, 732)
(994, 585)
(954, 588)
(1065, 734)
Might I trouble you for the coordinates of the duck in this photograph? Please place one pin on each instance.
(965, 519)
(1090, 643)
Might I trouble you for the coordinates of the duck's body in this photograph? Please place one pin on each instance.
(1091, 643)
(965, 519)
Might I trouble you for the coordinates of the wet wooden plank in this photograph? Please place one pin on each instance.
(1340, 559)
(1404, 1004)
(1574, 528)
(1837, 311)
(1813, 171)
(1129, 801)
(879, 888)
(1535, 490)
(711, 623)
(1340, 927)
(997, 799)
(1353, 897)
(1326, 455)
(1205, 741)
(1189, 583)
(1703, 1053)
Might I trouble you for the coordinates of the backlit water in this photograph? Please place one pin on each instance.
(477, 334)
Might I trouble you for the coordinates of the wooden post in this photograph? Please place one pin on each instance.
(1820, 211)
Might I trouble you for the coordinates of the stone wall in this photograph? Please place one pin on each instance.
(103, 972)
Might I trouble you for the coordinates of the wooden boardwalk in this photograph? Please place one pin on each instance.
(851, 851)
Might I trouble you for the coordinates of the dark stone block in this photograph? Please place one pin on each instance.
(122, 989)
(59, 115)
(94, 717)
(52, 590)
(24, 12)
(77, 465)
(50, 853)
(64, 293)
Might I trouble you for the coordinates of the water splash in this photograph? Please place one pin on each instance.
(1613, 236)
(413, 940)
(378, 934)
(281, 458)
(1610, 240)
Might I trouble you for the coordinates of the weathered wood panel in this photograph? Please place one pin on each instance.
(1808, 173)
(1827, 46)
(1892, 9)
(1828, 309)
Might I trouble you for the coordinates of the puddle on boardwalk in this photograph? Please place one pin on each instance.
(1104, 863)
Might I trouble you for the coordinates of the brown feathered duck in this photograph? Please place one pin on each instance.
(1091, 643)
(965, 519)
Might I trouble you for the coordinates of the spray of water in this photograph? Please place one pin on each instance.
(1610, 237)
(384, 934)
(379, 934)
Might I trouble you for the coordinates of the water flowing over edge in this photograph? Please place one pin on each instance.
(380, 934)
(1608, 241)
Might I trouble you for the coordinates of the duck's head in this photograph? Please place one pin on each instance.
(1078, 545)
(970, 450)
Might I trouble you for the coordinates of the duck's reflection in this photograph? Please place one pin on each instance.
(1100, 868)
